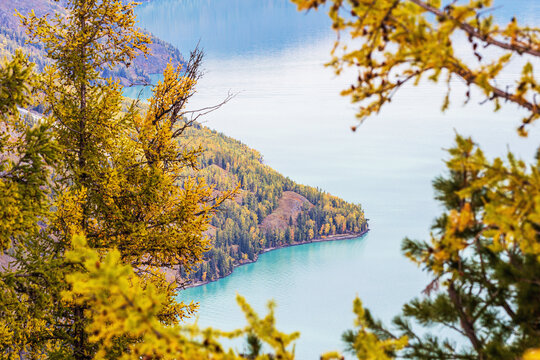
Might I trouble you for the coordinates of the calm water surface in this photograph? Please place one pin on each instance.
(288, 107)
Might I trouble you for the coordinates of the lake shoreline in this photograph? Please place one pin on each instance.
(329, 238)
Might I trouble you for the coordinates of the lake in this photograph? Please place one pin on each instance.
(288, 107)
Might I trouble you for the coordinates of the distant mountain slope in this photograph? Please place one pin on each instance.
(270, 211)
(12, 37)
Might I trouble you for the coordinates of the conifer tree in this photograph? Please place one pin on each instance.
(483, 258)
(26, 149)
(28, 153)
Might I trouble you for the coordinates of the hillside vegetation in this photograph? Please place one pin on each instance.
(269, 211)
(13, 37)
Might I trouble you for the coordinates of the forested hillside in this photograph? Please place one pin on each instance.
(269, 211)
(13, 36)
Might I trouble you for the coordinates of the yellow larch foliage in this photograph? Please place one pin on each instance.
(366, 344)
(532, 355)
(405, 41)
(120, 306)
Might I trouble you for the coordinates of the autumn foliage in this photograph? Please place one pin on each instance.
(96, 196)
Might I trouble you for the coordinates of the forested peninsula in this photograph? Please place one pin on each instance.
(269, 210)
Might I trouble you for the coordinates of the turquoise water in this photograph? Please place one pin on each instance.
(288, 107)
